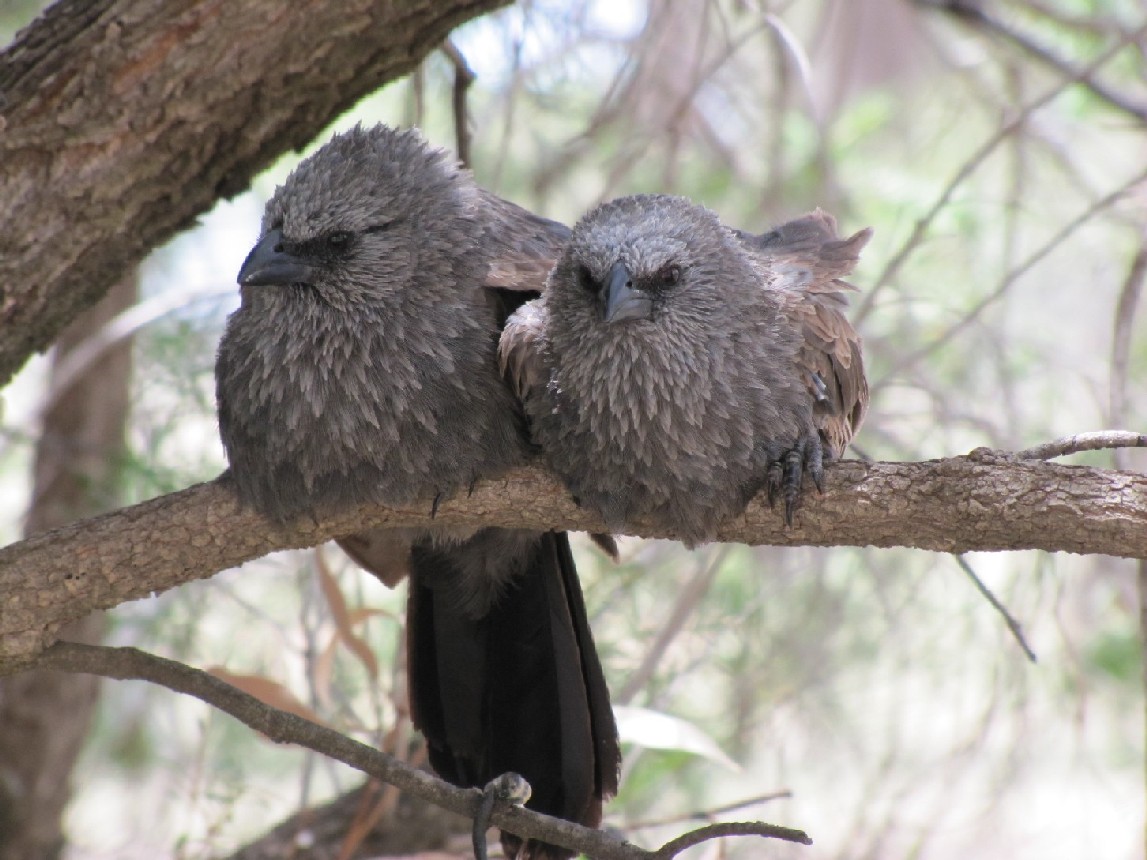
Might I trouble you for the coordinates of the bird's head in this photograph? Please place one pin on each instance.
(647, 261)
(358, 220)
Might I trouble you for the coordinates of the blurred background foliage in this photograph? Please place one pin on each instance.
(873, 695)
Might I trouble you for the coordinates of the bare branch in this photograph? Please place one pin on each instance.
(1096, 441)
(712, 812)
(691, 595)
(1013, 274)
(969, 167)
(1009, 619)
(285, 728)
(1121, 338)
(975, 16)
(728, 828)
(983, 501)
(463, 78)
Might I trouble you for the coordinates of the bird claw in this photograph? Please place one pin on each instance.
(785, 474)
(509, 788)
(773, 482)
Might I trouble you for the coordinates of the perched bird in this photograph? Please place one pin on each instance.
(361, 367)
(674, 366)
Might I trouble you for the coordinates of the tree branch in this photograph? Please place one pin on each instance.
(1097, 441)
(974, 14)
(983, 501)
(122, 120)
(286, 728)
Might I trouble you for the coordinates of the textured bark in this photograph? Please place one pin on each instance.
(122, 120)
(44, 716)
(983, 501)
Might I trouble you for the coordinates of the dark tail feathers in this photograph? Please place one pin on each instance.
(519, 688)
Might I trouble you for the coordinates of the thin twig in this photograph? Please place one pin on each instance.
(121, 327)
(1096, 441)
(463, 77)
(283, 727)
(975, 15)
(1013, 625)
(710, 814)
(1010, 278)
(731, 828)
(1121, 340)
(690, 597)
(969, 167)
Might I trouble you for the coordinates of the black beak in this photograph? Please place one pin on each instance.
(623, 300)
(269, 265)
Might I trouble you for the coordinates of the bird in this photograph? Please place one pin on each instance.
(361, 366)
(673, 367)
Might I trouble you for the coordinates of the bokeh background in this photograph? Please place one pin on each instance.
(870, 697)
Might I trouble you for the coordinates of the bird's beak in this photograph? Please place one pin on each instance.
(269, 265)
(623, 300)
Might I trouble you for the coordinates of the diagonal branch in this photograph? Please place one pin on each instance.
(983, 501)
(286, 728)
(974, 14)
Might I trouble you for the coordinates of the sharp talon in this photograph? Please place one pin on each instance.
(509, 788)
(794, 471)
(815, 461)
(773, 483)
(434, 505)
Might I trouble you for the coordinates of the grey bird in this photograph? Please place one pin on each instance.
(674, 367)
(360, 367)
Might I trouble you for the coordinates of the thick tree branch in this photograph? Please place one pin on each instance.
(986, 500)
(283, 727)
(122, 120)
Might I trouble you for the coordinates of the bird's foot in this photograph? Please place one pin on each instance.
(509, 788)
(786, 471)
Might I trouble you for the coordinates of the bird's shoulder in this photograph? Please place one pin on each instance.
(522, 247)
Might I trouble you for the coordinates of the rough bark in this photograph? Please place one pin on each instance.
(122, 120)
(983, 501)
(44, 716)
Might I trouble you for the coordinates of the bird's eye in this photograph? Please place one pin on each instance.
(669, 276)
(378, 228)
(340, 239)
(587, 281)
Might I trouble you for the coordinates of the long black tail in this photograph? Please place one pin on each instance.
(512, 683)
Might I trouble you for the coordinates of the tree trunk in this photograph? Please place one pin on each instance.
(44, 716)
(122, 120)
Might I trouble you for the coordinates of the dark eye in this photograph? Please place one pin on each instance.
(378, 228)
(587, 281)
(669, 276)
(340, 239)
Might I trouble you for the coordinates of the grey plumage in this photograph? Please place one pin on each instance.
(674, 367)
(368, 379)
(361, 367)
